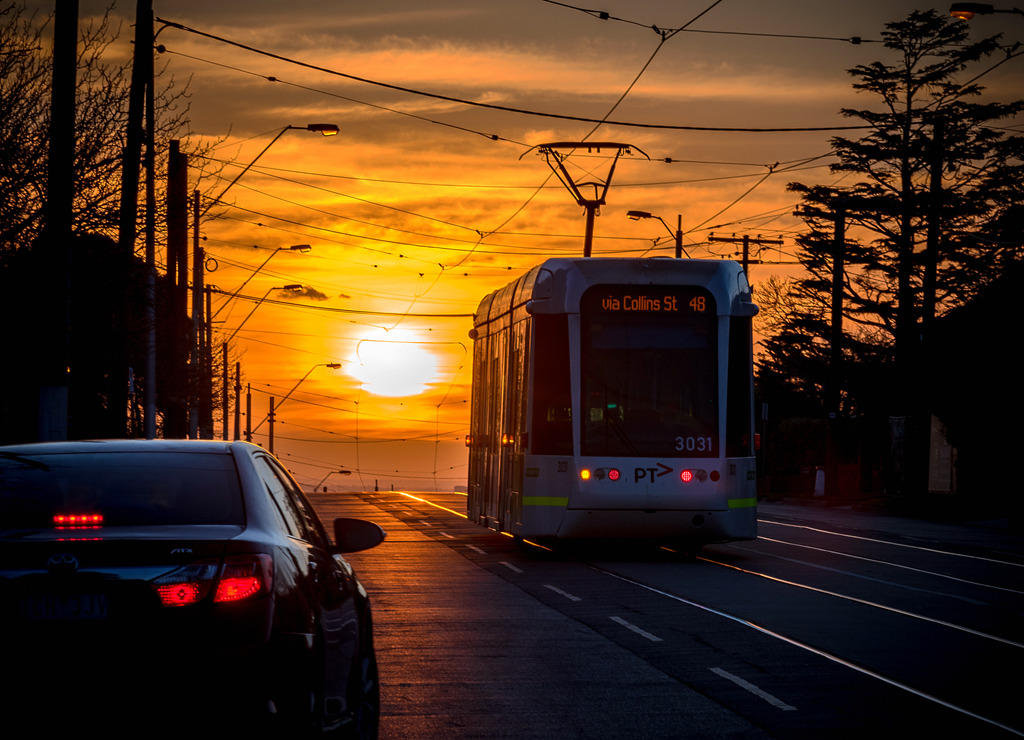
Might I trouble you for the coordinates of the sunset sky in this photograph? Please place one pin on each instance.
(423, 204)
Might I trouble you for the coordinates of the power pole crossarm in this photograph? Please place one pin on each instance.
(746, 240)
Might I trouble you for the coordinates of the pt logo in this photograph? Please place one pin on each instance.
(650, 474)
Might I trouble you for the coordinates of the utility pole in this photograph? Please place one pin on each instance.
(129, 208)
(176, 349)
(238, 400)
(270, 426)
(55, 356)
(200, 389)
(225, 398)
(832, 399)
(745, 241)
(146, 61)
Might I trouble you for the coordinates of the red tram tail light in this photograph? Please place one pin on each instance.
(611, 474)
(689, 475)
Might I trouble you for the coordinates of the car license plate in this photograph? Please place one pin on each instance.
(43, 607)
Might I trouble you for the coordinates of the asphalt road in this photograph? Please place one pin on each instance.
(832, 624)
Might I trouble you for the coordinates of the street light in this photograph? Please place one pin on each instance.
(292, 287)
(339, 472)
(326, 129)
(678, 233)
(294, 248)
(332, 365)
(270, 414)
(966, 11)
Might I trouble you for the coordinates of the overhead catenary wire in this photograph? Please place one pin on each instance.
(605, 16)
(504, 108)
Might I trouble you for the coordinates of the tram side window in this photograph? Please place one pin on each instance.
(552, 394)
(738, 430)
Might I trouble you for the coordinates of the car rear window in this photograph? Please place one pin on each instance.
(124, 488)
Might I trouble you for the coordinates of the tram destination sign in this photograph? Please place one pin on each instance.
(650, 299)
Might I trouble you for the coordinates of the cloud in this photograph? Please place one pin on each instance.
(308, 292)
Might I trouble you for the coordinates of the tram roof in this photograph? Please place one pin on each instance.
(557, 284)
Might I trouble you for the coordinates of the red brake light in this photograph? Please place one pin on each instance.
(77, 521)
(613, 474)
(239, 577)
(179, 594)
(244, 576)
(686, 476)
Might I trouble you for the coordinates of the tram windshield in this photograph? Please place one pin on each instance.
(649, 369)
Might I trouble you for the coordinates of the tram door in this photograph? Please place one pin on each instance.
(514, 427)
(495, 392)
(477, 430)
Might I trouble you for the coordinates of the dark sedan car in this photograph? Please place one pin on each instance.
(180, 585)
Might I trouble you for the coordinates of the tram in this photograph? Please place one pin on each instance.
(613, 398)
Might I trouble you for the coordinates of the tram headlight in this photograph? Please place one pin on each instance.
(612, 474)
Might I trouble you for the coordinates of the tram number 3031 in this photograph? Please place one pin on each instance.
(693, 444)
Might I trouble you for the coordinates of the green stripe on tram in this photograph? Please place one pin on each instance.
(545, 500)
(742, 503)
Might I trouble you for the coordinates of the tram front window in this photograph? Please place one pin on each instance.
(649, 372)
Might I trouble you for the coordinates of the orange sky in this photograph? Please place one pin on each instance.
(414, 211)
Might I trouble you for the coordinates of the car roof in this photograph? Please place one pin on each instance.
(128, 445)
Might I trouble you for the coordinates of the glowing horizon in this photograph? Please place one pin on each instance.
(421, 206)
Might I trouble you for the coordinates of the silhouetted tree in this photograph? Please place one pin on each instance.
(935, 185)
(27, 282)
(101, 120)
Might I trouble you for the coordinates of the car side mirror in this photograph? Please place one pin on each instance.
(353, 535)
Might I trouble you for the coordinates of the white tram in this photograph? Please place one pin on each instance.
(613, 398)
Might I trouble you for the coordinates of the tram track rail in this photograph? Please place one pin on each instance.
(844, 662)
(780, 633)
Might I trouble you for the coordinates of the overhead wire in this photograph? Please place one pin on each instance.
(605, 16)
(598, 123)
(503, 108)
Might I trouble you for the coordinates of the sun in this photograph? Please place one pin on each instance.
(392, 364)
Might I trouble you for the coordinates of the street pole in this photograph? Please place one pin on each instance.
(270, 426)
(176, 349)
(53, 396)
(149, 391)
(746, 241)
(129, 207)
(225, 398)
(679, 236)
(238, 400)
(197, 366)
(832, 401)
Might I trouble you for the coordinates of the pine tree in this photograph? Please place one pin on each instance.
(933, 197)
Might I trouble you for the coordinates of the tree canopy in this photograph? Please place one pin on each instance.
(930, 200)
(932, 211)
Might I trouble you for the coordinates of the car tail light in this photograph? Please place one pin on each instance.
(245, 576)
(179, 594)
(238, 577)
